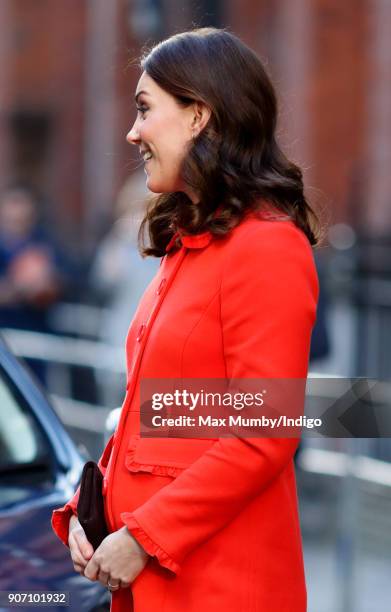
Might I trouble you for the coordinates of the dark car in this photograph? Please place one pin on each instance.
(39, 468)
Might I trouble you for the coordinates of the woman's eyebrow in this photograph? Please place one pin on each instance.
(139, 94)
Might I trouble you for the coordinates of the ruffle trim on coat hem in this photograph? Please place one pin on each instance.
(60, 522)
(149, 545)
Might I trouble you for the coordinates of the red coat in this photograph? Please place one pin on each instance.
(220, 518)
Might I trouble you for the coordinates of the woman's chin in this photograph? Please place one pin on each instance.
(151, 186)
(156, 186)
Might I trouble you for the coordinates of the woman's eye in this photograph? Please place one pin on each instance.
(141, 109)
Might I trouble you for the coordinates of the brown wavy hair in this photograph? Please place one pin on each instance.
(234, 164)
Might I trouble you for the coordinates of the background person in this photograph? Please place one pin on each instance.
(32, 270)
(119, 276)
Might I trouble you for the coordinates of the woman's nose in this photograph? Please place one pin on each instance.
(133, 136)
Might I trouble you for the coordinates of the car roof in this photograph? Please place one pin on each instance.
(65, 451)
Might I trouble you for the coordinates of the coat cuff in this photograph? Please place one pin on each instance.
(60, 521)
(150, 547)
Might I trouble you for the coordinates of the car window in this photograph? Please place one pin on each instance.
(21, 440)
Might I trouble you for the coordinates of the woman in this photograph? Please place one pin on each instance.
(209, 524)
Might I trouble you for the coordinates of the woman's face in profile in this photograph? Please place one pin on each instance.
(163, 132)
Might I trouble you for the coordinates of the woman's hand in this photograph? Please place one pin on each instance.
(118, 560)
(80, 547)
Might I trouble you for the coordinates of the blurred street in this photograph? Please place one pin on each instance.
(371, 588)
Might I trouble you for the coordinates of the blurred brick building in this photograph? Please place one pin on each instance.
(66, 97)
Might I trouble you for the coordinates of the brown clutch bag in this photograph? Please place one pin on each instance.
(90, 509)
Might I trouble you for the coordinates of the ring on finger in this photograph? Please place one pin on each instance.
(112, 587)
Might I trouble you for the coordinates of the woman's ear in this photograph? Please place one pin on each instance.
(200, 117)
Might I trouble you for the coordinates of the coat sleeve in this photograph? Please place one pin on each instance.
(62, 516)
(269, 293)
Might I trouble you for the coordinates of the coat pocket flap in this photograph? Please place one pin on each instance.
(164, 456)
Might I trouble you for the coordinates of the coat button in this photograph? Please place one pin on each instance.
(104, 487)
(161, 285)
(140, 333)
